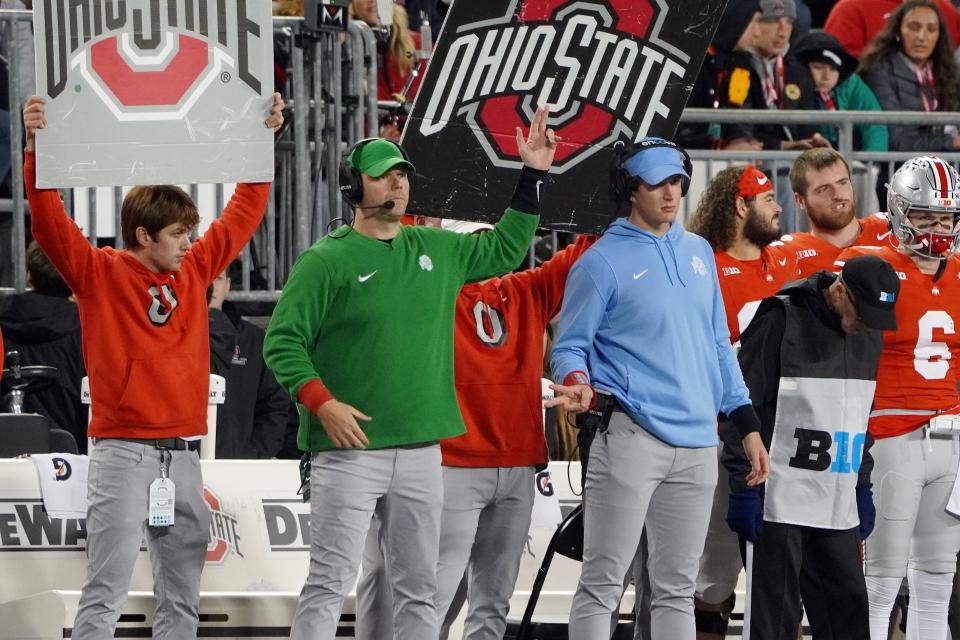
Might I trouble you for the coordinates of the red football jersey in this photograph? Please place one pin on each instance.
(745, 283)
(815, 254)
(918, 367)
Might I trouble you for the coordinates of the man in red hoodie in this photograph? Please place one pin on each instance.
(488, 472)
(143, 313)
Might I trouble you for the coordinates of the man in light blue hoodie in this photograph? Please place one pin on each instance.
(644, 350)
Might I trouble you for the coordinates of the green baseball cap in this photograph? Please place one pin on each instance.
(377, 157)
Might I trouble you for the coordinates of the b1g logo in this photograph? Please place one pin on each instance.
(600, 64)
(816, 451)
(147, 60)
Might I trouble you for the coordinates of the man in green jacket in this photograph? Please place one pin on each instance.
(363, 334)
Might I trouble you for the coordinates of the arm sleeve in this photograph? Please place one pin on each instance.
(77, 261)
(497, 251)
(224, 239)
(296, 322)
(760, 361)
(549, 279)
(584, 305)
(735, 394)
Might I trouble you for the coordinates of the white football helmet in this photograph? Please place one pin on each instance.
(925, 184)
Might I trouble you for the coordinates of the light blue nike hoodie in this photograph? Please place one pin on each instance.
(643, 317)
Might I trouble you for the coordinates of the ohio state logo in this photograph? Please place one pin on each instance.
(600, 64)
(147, 60)
(224, 530)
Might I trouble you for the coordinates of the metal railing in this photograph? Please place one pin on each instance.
(331, 100)
(331, 95)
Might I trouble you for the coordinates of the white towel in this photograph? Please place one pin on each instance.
(63, 483)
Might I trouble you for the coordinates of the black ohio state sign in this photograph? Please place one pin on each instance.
(610, 69)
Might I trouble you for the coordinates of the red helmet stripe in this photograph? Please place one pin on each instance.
(943, 178)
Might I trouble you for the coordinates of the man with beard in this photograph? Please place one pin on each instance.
(821, 185)
(739, 217)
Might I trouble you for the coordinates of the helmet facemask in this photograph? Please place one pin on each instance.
(925, 185)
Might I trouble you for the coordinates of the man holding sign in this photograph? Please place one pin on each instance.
(144, 317)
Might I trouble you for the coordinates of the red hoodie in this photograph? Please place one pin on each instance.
(145, 340)
(498, 363)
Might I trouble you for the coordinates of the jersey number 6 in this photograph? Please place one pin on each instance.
(932, 359)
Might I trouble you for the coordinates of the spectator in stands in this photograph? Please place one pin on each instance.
(398, 53)
(43, 325)
(724, 81)
(856, 22)
(254, 418)
(910, 67)
(784, 83)
(839, 88)
(803, 22)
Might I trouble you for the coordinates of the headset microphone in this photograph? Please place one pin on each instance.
(388, 204)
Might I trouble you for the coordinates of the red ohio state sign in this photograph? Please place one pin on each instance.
(610, 69)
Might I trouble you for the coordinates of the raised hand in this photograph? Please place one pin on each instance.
(538, 149)
(34, 117)
(275, 119)
(339, 420)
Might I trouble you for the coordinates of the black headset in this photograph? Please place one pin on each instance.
(350, 182)
(620, 179)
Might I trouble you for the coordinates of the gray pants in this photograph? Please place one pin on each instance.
(721, 563)
(484, 527)
(346, 487)
(634, 479)
(117, 493)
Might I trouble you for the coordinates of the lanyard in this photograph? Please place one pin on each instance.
(828, 101)
(925, 80)
(772, 89)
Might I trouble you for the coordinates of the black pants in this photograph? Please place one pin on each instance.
(822, 568)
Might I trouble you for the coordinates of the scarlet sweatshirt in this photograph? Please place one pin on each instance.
(145, 339)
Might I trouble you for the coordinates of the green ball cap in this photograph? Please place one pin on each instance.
(377, 157)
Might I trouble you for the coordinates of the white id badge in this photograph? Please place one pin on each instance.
(162, 494)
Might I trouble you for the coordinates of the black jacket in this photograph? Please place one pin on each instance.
(799, 93)
(257, 412)
(724, 76)
(759, 358)
(46, 331)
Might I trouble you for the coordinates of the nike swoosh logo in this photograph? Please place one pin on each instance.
(637, 276)
(762, 180)
(882, 236)
(366, 277)
(539, 182)
(783, 262)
